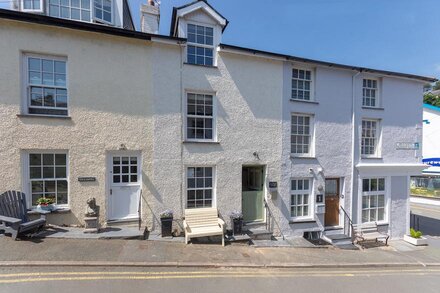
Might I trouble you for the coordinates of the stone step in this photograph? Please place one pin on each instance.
(258, 234)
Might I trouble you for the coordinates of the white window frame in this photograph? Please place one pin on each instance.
(311, 135)
(311, 200)
(99, 20)
(32, 10)
(214, 116)
(90, 10)
(213, 188)
(385, 193)
(377, 98)
(26, 180)
(378, 133)
(212, 47)
(26, 103)
(312, 83)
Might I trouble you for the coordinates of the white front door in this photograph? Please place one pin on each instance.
(124, 173)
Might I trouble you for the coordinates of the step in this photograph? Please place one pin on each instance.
(337, 239)
(123, 223)
(258, 234)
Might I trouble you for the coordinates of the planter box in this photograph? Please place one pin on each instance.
(415, 241)
(167, 227)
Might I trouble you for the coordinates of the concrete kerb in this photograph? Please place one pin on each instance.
(211, 265)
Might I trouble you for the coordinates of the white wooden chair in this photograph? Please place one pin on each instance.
(203, 222)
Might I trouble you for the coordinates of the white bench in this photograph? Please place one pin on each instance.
(369, 231)
(203, 222)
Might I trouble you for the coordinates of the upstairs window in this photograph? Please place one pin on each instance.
(32, 5)
(46, 85)
(369, 138)
(301, 84)
(301, 135)
(70, 9)
(370, 93)
(200, 117)
(200, 45)
(103, 10)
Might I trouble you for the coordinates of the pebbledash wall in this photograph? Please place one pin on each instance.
(108, 107)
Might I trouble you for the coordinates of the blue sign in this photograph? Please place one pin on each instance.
(432, 161)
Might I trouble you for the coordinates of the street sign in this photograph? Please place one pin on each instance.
(432, 161)
(407, 146)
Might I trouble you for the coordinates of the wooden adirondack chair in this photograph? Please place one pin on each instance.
(13, 215)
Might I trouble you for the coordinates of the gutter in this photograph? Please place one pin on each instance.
(284, 57)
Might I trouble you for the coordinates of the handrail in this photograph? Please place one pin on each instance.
(139, 210)
(349, 231)
(268, 211)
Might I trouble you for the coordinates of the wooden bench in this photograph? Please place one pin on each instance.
(369, 231)
(13, 215)
(203, 222)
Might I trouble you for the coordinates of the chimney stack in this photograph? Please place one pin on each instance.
(150, 16)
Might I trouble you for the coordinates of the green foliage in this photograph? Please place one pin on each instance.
(415, 234)
(431, 99)
(436, 86)
(44, 201)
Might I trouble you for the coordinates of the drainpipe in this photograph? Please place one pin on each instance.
(353, 144)
(182, 132)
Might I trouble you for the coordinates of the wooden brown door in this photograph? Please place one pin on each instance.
(331, 202)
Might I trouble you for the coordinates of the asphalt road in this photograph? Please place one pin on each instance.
(427, 217)
(63, 279)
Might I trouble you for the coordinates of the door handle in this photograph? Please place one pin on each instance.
(111, 191)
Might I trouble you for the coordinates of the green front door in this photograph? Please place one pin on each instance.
(252, 193)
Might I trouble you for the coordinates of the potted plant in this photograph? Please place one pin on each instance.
(45, 204)
(166, 220)
(415, 238)
(237, 222)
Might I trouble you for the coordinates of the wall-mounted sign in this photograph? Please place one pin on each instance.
(86, 179)
(432, 161)
(319, 198)
(273, 184)
(407, 145)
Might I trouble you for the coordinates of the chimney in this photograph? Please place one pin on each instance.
(150, 16)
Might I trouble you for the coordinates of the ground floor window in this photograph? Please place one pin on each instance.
(300, 198)
(48, 177)
(199, 187)
(373, 200)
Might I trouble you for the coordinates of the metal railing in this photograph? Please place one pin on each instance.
(270, 220)
(348, 225)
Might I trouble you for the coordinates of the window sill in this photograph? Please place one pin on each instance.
(302, 157)
(304, 101)
(44, 116)
(371, 158)
(200, 65)
(373, 108)
(200, 142)
(61, 210)
(302, 221)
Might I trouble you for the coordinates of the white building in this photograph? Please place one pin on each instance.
(186, 121)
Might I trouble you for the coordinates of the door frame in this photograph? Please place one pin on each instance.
(108, 180)
(341, 184)
(264, 191)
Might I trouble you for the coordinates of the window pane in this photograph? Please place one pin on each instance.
(381, 184)
(34, 64)
(49, 97)
(61, 198)
(35, 159)
(48, 159)
(37, 186)
(49, 186)
(365, 185)
(60, 159)
(60, 172)
(48, 172)
(35, 172)
(62, 186)
(34, 77)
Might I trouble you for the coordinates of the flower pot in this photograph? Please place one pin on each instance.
(237, 224)
(47, 207)
(415, 241)
(167, 226)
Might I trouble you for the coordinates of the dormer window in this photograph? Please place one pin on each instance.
(32, 5)
(103, 10)
(70, 9)
(200, 45)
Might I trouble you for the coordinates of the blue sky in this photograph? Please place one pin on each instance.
(397, 35)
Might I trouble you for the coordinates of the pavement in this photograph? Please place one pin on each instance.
(92, 252)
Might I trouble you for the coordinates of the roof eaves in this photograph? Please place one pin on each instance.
(78, 25)
(329, 64)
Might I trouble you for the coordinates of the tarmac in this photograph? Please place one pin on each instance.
(158, 253)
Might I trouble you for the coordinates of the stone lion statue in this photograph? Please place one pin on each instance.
(92, 210)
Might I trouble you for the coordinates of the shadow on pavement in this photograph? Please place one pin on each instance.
(428, 226)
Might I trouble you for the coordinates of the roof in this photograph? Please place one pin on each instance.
(79, 25)
(428, 106)
(324, 63)
(175, 9)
